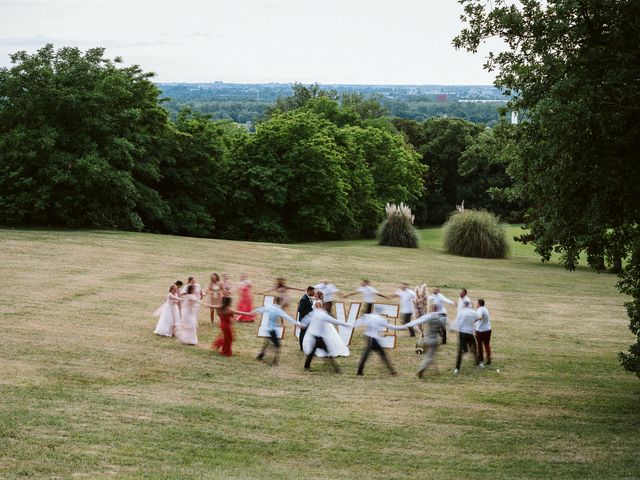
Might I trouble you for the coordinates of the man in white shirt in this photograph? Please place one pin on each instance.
(374, 324)
(483, 331)
(274, 311)
(368, 295)
(463, 298)
(466, 322)
(438, 300)
(329, 291)
(406, 296)
(316, 324)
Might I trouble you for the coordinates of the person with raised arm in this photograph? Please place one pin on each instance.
(462, 297)
(318, 336)
(439, 300)
(368, 295)
(281, 290)
(225, 339)
(197, 289)
(432, 323)
(274, 311)
(374, 324)
(406, 296)
(329, 291)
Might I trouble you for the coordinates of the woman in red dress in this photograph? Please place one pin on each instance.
(226, 313)
(246, 298)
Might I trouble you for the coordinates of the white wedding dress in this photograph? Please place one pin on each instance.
(169, 314)
(187, 330)
(333, 341)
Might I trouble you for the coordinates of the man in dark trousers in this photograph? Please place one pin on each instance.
(304, 308)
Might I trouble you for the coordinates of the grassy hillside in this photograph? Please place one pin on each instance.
(87, 391)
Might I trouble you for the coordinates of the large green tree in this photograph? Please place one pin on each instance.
(306, 175)
(346, 108)
(441, 142)
(484, 182)
(195, 175)
(288, 182)
(572, 68)
(81, 141)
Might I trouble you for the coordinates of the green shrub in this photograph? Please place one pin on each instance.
(475, 233)
(397, 230)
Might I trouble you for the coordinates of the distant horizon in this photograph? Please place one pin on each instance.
(330, 84)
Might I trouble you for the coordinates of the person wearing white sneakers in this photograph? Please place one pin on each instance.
(466, 322)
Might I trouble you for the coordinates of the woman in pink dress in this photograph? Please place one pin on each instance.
(245, 303)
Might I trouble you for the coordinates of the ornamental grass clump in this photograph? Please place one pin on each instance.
(422, 301)
(397, 230)
(475, 233)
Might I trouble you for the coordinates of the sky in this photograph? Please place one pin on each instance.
(257, 41)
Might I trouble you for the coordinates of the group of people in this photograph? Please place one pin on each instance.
(315, 326)
(178, 315)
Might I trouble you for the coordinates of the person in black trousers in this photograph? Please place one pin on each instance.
(304, 308)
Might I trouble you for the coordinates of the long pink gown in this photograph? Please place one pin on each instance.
(245, 304)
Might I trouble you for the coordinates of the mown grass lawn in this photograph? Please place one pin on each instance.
(87, 391)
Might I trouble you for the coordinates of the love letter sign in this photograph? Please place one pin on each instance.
(348, 316)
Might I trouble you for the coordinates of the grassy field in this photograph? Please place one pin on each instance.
(87, 391)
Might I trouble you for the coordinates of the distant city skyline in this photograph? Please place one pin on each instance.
(364, 42)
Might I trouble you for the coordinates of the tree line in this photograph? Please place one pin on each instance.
(86, 142)
(250, 103)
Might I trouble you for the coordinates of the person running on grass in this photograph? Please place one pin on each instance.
(438, 299)
(368, 295)
(374, 325)
(431, 331)
(305, 307)
(317, 325)
(465, 324)
(274, 312)
(406, 296)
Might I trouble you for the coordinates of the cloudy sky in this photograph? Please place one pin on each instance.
(325, 41)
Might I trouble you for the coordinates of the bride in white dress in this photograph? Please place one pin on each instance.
(187, 330)
(333, 341)
(169, 313)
